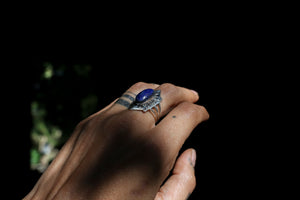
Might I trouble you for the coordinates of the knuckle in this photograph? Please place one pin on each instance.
(192, 181)
(204, 112)
(194, 110)
(139, 84)
(159, 196)
(169, 88)
(189, 179)
(187, 107)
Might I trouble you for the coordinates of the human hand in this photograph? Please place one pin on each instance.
(119, 153)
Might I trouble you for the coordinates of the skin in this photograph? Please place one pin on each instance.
(118, 153)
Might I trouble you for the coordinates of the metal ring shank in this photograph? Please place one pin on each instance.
(152, 104)
(155, 112)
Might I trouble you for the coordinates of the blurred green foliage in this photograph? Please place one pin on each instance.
(61, 98)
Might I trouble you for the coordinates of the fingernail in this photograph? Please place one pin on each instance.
(193, 158)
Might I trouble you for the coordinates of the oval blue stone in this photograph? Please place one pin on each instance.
(144, 95)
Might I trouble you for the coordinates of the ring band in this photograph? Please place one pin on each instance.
(148, 100)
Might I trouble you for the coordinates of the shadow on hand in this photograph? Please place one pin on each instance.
(120, 159)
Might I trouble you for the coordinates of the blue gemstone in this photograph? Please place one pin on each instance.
(144, 95)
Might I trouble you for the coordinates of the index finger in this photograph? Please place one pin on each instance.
(176, 127)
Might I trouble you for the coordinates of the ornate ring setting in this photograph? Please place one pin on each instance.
(148, 100)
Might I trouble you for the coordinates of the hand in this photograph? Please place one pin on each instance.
(119, 153)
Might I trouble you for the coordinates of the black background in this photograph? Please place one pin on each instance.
(221, 167)
(222, 59)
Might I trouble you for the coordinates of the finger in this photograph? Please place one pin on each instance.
(170, 96)
(128, 97)
(174, 129)
(173, 95)
(182, 182)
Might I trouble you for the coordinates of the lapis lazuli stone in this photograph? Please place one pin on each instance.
(144, 95)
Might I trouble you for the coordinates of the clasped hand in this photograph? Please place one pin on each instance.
(118, 153)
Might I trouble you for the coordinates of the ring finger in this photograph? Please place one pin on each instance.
(123, 102)
(173, 95)
(170, 94)
(162, 99)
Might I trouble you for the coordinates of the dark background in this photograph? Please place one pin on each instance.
(220, 167)
(223, 58)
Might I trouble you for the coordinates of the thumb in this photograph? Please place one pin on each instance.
(183, 181)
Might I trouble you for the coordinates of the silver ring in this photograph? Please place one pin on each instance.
(148, 100)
